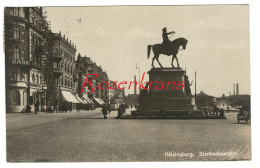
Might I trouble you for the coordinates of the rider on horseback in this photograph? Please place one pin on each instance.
(166, 42)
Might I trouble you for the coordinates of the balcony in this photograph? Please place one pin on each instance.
(56, 57)
(57, 71)
(40, 50)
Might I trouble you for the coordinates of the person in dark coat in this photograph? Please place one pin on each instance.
(70, 106)
(221, 112)
(108, 108)
(78, 108)
(120, 112)
(104, 111)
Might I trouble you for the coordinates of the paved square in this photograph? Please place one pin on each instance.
(86, 136)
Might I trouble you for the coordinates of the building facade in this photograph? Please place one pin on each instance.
(86, 66)
(26, 31)
(41, 71)
(64, 79)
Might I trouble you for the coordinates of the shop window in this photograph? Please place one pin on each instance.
(16, 98)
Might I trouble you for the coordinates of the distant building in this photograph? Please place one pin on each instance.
(204, 100)
(86, 66)
(233, 100)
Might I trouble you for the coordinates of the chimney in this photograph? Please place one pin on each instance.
(134, 85)
(237, 89)
(234, 92)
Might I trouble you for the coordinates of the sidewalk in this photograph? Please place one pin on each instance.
(15, 121)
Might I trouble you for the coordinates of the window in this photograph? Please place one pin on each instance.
(37, 79)
(56, 50)
(33, 78)
(16, 52)
(33, 40)
(41, 79)
(16, 11)
(16, 98)
(24, 98)
(33, 20)
(61, 81)
(65, 82)
(55, 65)
(14, 75)
(16, 33)
(22, 76)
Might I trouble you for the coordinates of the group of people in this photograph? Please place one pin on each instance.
(106, 109)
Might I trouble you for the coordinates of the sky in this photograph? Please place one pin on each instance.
(116, 37)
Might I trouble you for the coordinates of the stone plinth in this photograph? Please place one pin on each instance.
(169, 82)
(166, 94)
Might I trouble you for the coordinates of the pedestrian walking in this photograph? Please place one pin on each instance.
(70, 107)
(104, 111)
(221, 112)
(77, 107)
(120, 112)
(108, 108)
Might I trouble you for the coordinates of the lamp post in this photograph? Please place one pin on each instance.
(195, 85)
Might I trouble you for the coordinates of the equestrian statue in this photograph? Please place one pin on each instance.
(167, 47)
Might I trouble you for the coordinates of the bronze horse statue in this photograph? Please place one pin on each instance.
(172, 49)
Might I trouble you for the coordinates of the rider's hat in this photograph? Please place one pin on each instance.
(164, 29)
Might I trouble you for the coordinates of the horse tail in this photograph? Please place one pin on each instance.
(148, 51)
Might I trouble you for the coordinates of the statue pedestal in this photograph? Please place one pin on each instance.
(166, 95)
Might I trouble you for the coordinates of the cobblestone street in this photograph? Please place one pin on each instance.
(86, 136)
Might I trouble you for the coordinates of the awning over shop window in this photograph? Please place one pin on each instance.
(67, 96)
(99, 101)
(88, 100)
(80, 100)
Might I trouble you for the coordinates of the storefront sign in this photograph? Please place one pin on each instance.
(20, 61)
